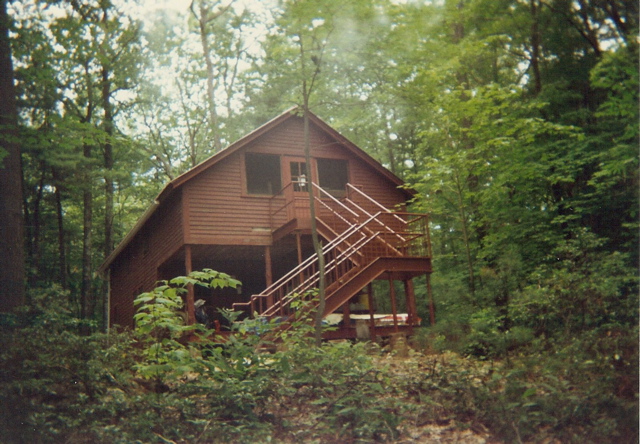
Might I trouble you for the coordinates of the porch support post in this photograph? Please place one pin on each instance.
(191, 311)
(299, 247)
(372, 322)
(432, 308)
(411, 301)
(394, 308)
(346, 316)
(268, 274)
(299, 250)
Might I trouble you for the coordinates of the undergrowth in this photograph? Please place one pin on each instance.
(152, 385)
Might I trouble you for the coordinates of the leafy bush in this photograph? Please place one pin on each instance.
(581, 287)
(162, 329)
(54, 381)
(153, 386)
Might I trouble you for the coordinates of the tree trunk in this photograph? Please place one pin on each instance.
(12, 273)
(108, 179)
(204, 19)
(28, 224)
(466, 237)
(108, 162)
(535, 48)
(35, 252)
(62, 256)
(317, 246)
(87, 200)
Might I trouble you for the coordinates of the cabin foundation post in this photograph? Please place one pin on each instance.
(191, 310)
(268, 274)
(299, 251)
(411, 301)
(372, 322)
(407, 300)
(346, 316)
(432, 308)
(394, 308)
(299, 247)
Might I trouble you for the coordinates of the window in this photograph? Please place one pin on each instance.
(333, 175)
(298, 175)
(263, 173)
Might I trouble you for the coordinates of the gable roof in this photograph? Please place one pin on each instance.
(293, 112)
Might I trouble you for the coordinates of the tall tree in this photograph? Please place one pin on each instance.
(308, 81)
(110, 57)
(221, 32)
(311, 34)
(205, 15)
(12, 290)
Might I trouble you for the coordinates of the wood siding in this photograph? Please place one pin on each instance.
(376, 186)
(222, 213)
(136, 268)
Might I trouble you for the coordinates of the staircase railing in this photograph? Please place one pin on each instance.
(338, 255)
(366, 237)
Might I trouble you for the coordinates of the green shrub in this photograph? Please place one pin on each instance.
(54, 381)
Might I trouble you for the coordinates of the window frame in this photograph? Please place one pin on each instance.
(244, 176)
(338, 193)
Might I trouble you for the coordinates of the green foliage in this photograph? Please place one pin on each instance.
(339, 381)
(565, 392)
(54, 383)
(580, 287)
(57, 385)
(553, 393)
(161, 326)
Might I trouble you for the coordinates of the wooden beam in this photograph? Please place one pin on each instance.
(268, 273)
(299, 247)
(346, 315)
(191, 310)
(372, 322)
(411, 301)
(394, 308)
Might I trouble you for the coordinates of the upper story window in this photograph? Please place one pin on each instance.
(263, 173)
(333, 175)
(298, 175)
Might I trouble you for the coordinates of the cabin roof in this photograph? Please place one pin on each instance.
(176, 183)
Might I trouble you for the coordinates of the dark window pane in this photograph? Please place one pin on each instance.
(333, 175)
(263, 173)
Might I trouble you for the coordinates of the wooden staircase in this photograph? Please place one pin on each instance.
(364, 241)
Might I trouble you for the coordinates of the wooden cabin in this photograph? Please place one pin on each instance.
(245, 211)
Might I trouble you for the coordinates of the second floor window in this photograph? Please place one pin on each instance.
(333, 175)
(263, 173)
